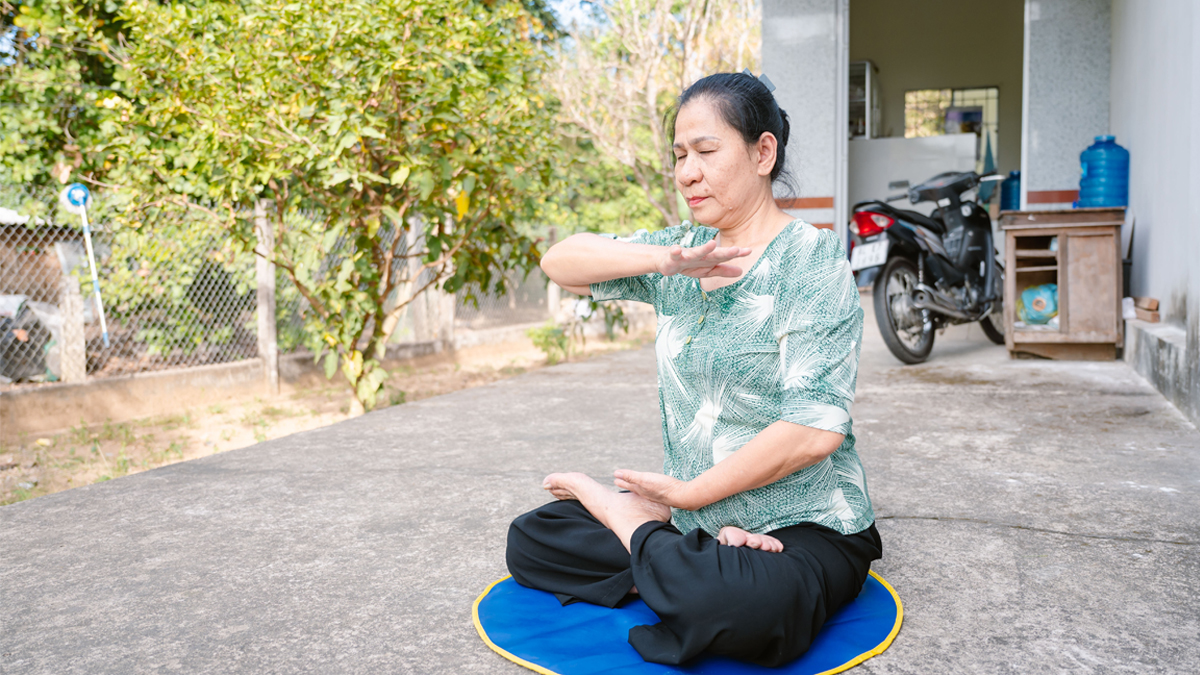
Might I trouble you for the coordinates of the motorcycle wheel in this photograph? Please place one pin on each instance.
(907, 330)
(993, 324)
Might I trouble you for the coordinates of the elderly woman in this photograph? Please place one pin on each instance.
(760, 526)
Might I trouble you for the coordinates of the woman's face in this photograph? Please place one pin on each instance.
(719, 174)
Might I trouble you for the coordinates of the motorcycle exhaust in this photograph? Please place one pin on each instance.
(929, 298)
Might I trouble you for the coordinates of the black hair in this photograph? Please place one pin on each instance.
(745, 104)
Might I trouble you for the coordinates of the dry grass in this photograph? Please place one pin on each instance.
(93, 453)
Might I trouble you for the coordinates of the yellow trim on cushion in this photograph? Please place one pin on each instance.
(881, 648)
(495, 647)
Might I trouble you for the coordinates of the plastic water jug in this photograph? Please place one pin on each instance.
(1010, 192)
(1105, 180)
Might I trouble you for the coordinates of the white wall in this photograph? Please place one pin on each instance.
(879, 161)
(1066, 92)
(1155, 108)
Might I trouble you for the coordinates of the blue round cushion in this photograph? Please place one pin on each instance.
(531, 628)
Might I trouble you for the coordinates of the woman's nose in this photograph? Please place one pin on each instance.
(687, 172)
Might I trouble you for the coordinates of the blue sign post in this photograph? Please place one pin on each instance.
(75, 198)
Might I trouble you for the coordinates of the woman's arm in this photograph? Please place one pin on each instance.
(581, 260)
(780, 450)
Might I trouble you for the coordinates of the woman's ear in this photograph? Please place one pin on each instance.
(765, 150)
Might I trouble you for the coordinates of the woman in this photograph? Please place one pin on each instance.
(760, 526)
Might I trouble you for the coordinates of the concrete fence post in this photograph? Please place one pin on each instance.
(268, 345)
(431, 312)
(74, 346)
(449, 301)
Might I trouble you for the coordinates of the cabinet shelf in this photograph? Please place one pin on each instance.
(863, 94)
(1084, 266)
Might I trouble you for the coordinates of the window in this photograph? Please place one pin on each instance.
(933, 112)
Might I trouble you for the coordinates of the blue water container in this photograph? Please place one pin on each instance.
(1010, 192)
(1105, 180)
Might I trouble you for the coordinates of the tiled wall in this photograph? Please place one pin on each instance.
(1066, 94)
(800, 57)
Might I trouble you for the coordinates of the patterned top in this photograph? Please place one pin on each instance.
(780, 343)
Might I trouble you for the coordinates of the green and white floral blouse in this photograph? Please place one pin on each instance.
(780, 343)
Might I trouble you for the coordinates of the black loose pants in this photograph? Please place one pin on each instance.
(740, 602)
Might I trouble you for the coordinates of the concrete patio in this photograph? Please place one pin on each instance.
(1037, 517)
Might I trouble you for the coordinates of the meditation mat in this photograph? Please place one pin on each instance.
(531, 628)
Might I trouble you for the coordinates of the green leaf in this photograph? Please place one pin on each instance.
(339, 176)
(400, 175)
(392, 214)
(424, 181)
(331, 361)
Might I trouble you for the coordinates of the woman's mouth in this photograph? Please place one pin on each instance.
(695, 201)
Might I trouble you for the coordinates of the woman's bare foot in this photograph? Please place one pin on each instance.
(621, 512)
(736, 536)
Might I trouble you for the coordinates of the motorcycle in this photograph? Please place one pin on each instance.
(929, 271)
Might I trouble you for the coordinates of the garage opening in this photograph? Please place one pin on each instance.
(935, 85)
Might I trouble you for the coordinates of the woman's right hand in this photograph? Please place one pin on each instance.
(701, 261)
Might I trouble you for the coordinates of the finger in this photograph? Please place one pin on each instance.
(702, 250)
(729, 253)
(634, 488)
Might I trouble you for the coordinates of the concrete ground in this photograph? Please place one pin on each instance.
(1037, 517)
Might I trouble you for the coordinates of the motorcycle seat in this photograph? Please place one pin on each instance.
(922, 220)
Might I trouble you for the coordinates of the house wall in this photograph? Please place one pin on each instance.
(943, 44)
(1154, 107)
(1066, 95)
(799, 54)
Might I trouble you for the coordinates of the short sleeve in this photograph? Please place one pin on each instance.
(644, 287)
(821, 337)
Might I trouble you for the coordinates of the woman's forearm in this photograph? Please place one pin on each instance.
(585, 259)
(776, 452)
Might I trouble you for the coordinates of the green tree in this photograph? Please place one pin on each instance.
(56, 86)
(598, 194)
(618, 75)
(399, 143)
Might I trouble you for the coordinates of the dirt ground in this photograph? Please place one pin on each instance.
(92, 453)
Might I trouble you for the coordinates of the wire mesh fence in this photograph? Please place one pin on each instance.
(170, 301)
(526, 301)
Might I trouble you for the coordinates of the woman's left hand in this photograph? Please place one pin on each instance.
(654, 486)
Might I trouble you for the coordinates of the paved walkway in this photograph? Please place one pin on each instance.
(1036, 516)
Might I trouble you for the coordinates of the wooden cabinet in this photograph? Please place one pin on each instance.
(1079, 251)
